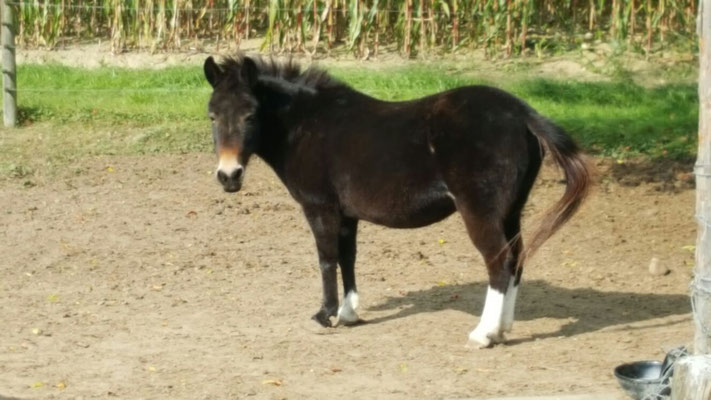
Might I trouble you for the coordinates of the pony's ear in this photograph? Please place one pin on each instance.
(249, 72)
(213, 73)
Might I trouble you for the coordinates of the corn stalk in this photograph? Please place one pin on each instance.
(501, 27)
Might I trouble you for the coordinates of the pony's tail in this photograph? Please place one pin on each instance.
(578, 175)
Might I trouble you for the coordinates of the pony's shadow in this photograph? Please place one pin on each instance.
(587, 310)
(9, 398)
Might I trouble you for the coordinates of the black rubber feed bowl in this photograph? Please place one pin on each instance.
(641, 378)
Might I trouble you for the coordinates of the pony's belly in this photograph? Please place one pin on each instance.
(409, 210)
(403, 219)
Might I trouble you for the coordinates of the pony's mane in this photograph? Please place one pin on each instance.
(290, 71)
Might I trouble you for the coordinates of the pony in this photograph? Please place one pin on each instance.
(345, 156)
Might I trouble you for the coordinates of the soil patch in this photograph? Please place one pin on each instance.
(139, 278)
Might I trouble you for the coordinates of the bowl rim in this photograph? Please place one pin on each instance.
(628, 378)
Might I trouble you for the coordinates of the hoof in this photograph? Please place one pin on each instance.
(340, 322)
(473, 344)
(347, 314)
(483, 340)
(323, 317)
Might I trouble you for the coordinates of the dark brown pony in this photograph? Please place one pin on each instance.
(345, 156)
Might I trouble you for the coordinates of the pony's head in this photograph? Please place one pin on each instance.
(232, 110)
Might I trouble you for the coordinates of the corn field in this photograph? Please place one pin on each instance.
(502, 27)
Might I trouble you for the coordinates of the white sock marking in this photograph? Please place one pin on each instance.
(347, 313)
(489, 327)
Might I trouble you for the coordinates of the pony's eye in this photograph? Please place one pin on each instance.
(250, 118)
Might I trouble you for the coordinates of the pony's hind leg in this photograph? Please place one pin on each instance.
(512, 229)
(488, 235)
(346, 258)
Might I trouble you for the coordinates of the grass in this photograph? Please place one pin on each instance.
(63, 94)
(120, 111)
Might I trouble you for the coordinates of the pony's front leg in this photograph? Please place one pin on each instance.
(325, 225)
(347, 314)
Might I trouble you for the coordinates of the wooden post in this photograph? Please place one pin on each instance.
(692, 375)
(701, 287)
(9, 77)
(692, 378)
(408, 28)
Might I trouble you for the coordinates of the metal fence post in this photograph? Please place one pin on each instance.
(9, 77)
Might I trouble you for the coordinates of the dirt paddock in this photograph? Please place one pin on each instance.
(136, 277)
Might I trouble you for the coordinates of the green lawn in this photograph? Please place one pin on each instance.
(122, 111)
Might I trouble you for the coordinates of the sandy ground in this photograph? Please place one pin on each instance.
(137, 277)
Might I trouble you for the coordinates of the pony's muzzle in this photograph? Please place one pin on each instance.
(231, 181)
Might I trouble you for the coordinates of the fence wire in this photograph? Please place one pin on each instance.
(662, 391)
(700, 289)
(114, 90)
(166, 9)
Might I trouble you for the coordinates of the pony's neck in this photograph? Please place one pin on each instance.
(272, 135)
(272, 149)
